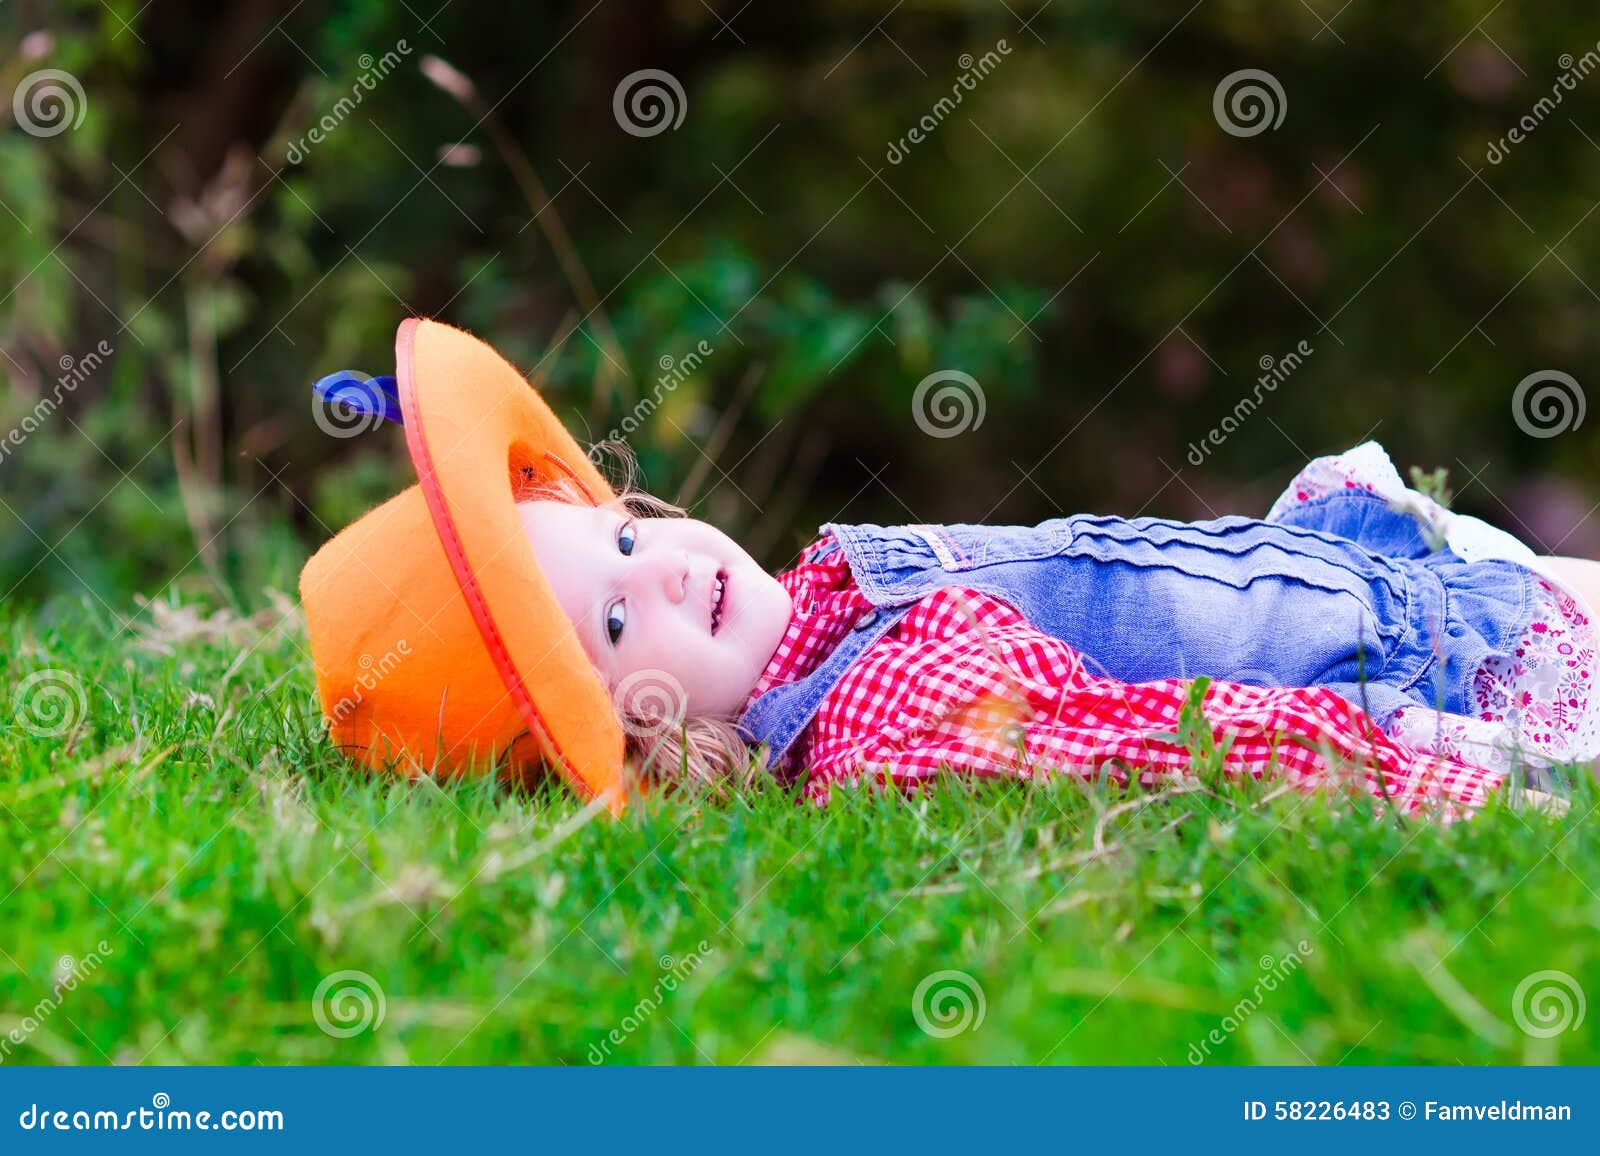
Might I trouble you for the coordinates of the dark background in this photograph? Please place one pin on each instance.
(1079, 235)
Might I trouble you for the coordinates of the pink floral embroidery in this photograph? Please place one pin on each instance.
(1534, 702)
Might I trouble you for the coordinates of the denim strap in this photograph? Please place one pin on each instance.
(777, 717)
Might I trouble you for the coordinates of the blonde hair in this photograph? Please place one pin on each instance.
(704, 751)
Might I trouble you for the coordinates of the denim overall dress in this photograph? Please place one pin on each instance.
(1344, 592)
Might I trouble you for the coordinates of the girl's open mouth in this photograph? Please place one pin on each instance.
(719, 596)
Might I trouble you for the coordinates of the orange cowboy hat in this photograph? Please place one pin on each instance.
(436, 639)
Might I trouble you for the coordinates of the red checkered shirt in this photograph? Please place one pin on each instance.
(964, 683)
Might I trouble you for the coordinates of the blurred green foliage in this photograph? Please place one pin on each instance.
(1079, 235)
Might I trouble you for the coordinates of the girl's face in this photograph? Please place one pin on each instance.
(671, 606)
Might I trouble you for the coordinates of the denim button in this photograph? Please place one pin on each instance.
(867, 619)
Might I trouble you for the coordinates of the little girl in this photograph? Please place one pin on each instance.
(513, 604)
(898, 652)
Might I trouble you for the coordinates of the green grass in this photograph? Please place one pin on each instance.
(193, 820)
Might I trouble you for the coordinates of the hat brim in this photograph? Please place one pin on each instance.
(475, 428)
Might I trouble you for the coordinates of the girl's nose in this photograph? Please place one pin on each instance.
(671, 574)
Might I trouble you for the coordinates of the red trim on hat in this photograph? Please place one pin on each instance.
(571, 473)
(450, 539)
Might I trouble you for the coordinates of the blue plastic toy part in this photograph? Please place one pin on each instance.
(376, 396)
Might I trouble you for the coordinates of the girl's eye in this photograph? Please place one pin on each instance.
(626, 536)
(616, 618)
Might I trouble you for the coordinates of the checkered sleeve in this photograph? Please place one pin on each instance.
(965, 685)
